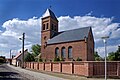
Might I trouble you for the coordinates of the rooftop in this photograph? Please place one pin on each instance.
(70, 35)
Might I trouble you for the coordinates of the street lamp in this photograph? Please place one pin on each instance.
(23, 37)
(105, 42)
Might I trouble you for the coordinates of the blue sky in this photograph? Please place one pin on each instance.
(25, 9)
(13, 12)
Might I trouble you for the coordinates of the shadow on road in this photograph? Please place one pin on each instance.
(8, 76)
(5, 74)
(8, 73)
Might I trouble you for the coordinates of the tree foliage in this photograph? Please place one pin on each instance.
(114, 56)
(29, 57)
(36, 50)
(2, 59)
(97, 57)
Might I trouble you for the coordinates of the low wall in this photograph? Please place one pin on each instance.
(83, 68)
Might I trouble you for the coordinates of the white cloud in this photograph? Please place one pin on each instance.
(9, 39)
(101, 50)
(15, 27)
(89, 14)
(100, 26)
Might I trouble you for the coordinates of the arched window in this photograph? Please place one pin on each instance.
(45, 38)
(63, 52)
(43, 26)
(47, 26)
(70, 52)
(52, 26)
(56, 52)
(55, 28)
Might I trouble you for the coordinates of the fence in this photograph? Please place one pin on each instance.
(83, 68)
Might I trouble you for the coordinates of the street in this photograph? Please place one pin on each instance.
(7, 73)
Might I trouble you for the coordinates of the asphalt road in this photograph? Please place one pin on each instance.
(7, 73)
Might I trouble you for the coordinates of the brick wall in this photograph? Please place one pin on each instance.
(67, 67)
(111, 68)
(48, 66)
(56, 67)
(41, 66)
(83, 68)
(78, 50)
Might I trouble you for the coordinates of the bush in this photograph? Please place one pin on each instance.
(2, 60)
(56, 59)
(78, 59)
(45, 60)
(73, 60)
(40, 60)
(62, 59)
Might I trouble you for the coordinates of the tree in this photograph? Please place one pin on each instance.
(36, 50)
(114, 56)
(29, 57)
(111, 56)
(2, 59)
(97, 57)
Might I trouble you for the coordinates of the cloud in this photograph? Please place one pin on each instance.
(100, 26)
(110, 48)
(89, 14)
(9, 39)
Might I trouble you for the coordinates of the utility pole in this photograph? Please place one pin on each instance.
(10, 57)
(10, 53)
(23, 50)
(23, 37)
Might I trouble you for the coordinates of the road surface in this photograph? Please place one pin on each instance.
(9, 72)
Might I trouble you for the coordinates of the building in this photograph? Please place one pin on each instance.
(17, 60)
(68, 45)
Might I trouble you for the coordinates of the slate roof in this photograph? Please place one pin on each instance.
(70, 35)
(49, 13)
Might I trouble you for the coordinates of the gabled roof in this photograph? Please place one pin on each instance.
(19, 54)
(49, 13)
(70, 35)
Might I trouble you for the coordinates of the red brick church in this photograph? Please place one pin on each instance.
(69, 44)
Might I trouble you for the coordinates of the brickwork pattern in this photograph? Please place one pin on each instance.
(83, 68)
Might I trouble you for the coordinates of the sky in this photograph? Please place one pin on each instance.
(18, 16)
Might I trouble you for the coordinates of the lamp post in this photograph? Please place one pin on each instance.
(105, 43)
(23, 37)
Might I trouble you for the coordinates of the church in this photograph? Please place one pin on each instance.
(67, 45)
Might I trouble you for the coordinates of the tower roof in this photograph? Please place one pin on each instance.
(49, 13)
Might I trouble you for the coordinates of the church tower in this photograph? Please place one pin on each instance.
(48, 29)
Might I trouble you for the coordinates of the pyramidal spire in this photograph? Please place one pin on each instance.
(48, 13)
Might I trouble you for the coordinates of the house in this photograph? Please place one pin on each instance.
(17, 60)
(68, 45)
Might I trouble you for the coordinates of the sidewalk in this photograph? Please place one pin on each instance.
(39, 75)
